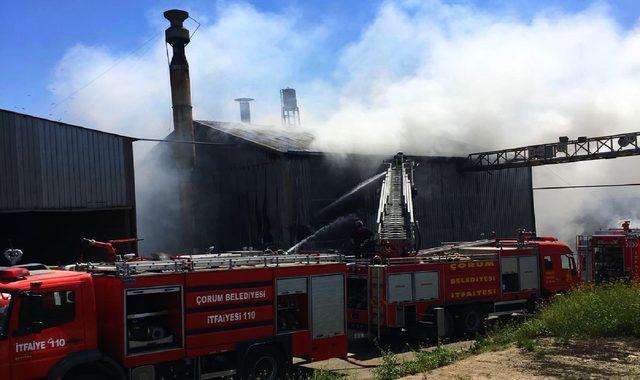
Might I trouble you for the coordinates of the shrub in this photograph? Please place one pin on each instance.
(390, 368)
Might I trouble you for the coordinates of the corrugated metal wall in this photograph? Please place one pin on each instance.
(45, 165)
(455, 206)
(450, 205)
(244, 198)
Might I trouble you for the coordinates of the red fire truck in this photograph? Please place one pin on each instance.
(468, 281)
(399, 286)
(610, 255)
(191, 317)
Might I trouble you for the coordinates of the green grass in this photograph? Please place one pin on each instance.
(321, 374)
(392, 368)
(587, 312)
(428, 360)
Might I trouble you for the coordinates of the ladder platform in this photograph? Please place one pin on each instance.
(193, 263)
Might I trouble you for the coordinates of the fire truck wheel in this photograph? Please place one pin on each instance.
(532, 305)
(471, 321)
(264, 363)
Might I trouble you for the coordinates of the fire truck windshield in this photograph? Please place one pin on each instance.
(5, 303)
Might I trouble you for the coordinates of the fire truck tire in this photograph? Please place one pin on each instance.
(264, 363)
(532, 305)
(86, 365)
(471, 321)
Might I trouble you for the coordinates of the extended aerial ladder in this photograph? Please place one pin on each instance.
(565, 150)
(193, 263)
(396, 226)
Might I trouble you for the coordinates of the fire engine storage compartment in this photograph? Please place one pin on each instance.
(153, 319)
(60, 183)
(204, 321)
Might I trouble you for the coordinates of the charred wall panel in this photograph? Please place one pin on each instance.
(243, 198)
(328, 178)
(46, 165)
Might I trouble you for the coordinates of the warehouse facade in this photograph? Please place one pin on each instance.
(60, 183)
(259, 187)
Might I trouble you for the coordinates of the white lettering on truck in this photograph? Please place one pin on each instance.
(231, 317)
(40, 345)
(232, 296)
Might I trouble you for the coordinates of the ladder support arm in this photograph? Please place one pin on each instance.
(563, 151)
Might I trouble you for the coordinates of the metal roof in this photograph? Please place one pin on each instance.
(276, 139)
(48, 165)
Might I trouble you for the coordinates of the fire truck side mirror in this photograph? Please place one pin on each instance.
(31, 314)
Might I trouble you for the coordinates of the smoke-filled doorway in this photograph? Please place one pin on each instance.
(54, 238)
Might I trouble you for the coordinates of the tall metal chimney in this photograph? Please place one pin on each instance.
(245, 109)
(178, 37)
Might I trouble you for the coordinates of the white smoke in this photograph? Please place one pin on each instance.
(421, 77)
(242, 53)
(424, 78)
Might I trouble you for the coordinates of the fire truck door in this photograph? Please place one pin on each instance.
(426, 285)
(399, 288)
(51, 327)
(327, 306)
(528, 266)
(519, 273)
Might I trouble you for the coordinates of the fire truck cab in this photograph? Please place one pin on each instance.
(610, 255)
(195, 317)
(47, 318)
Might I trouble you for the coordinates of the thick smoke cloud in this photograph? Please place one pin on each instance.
(435, 79)
(422, 77)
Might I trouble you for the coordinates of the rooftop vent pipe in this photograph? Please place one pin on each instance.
(245, 109)
(178, 37)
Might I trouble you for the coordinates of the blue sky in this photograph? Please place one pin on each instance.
(36, 34)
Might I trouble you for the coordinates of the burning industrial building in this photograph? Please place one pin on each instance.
(260, 186)
(239, 185)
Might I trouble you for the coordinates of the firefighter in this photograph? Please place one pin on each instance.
(361, 239)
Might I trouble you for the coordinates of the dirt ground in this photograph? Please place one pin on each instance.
(594, 359)
(364, 356)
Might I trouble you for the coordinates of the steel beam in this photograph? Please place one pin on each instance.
(563, 151)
